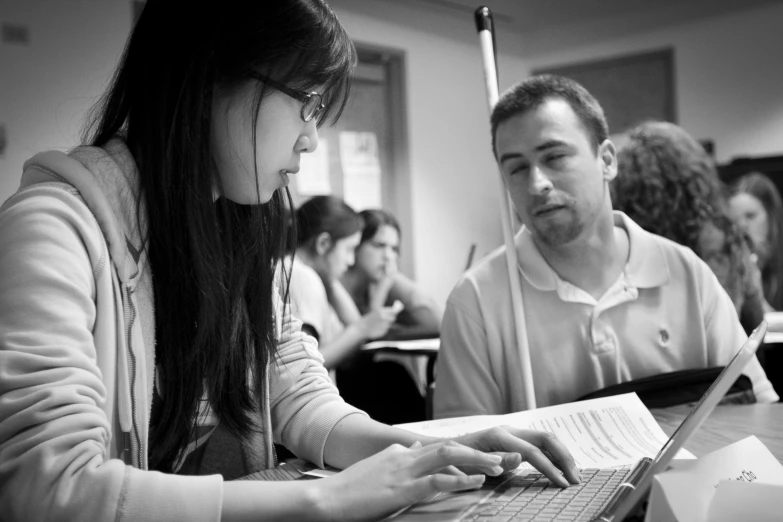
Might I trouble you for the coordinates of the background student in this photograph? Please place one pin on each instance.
(328, 231)
(374, 280)
(140, 315)
(391, 387)
(757, 207)
(669, 185)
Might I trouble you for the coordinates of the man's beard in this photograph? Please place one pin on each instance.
(559, 234)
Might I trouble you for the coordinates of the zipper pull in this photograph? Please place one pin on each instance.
(126, 446)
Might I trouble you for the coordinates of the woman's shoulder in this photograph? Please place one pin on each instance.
(305, 281)
(300, 270)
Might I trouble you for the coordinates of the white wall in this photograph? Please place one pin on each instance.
(454, 179)
(47, 86)
(728, 75)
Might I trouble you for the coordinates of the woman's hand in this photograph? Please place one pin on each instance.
(378, 292)
(377, 322)
(541, 449)
(398, 477)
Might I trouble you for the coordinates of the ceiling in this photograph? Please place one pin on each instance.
(547, 25)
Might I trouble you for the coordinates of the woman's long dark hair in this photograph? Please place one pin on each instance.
(213, 261)
(374, 219)
(763, 188)
(325, 214)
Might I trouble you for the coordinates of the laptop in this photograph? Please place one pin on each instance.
(604, 495)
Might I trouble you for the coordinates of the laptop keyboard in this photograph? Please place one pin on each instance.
(534, 497)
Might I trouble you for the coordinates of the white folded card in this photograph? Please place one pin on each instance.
(690, 490)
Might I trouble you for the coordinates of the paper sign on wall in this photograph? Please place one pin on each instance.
(313, 176)
(361, 165)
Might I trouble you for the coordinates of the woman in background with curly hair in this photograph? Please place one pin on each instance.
(756, 205)
(668, 185)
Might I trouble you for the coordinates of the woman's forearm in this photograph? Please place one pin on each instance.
(343, 303)
(284, 500)
(357, 437)
(421, 309)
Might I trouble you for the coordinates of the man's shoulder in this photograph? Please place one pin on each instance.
(652, 245)
(489, 269)
(684, 268)
(482, 284)
(676, 253)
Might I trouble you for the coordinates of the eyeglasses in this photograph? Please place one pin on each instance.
(311, 102)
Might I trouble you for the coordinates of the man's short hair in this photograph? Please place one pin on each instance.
(533, 92)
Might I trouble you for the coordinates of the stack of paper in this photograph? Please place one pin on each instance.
(599, 433)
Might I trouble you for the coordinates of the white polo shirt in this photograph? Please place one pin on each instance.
(666, 312)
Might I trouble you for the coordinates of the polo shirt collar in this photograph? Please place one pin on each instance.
(646, 268)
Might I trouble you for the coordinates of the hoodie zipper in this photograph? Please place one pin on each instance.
(133, 442)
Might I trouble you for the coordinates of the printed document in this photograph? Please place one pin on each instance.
(599, 433)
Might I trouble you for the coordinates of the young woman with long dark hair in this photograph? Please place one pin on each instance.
(757, 206)
(144, 333)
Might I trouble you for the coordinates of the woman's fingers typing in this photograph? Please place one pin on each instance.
(436, 457)
(399, 476)
(542, 450)
(441, 483)
(554, 450)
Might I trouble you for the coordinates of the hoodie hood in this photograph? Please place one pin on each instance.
(107, 179)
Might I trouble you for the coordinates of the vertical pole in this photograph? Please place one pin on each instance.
(485, 28)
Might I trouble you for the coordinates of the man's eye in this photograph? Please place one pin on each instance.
(519, 169)
(555, 159)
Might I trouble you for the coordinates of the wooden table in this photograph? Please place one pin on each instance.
(728, 424)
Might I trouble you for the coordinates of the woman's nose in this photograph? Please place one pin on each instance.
(308, 140)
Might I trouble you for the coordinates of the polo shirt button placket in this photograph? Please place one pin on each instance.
(602, 337)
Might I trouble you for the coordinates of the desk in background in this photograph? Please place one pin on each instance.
(415, 349)
(728, 424)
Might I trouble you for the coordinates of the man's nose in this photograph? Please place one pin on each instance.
(539, 181)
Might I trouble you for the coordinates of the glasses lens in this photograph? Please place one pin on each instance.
(312, 106)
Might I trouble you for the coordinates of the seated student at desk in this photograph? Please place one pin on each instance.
(604, 301)
(140, 316)
(390, 386)
(328, 231)
(756, 204)
(374, 281)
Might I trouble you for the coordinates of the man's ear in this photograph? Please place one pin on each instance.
(607, 154)
(323, 243)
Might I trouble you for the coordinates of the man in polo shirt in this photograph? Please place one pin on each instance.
(604, 301)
